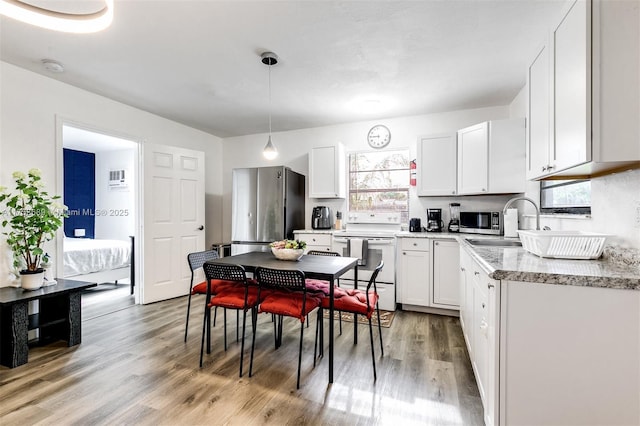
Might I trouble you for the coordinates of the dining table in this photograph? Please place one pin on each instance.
(327, 268)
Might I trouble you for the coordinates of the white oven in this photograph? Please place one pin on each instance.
(378, 230)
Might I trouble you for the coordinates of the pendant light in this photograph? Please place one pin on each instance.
(270, 152)
(56, 20)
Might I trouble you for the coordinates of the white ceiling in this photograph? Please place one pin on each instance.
(89, 141)
(198, 62)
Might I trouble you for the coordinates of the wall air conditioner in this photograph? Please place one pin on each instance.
(118, 179)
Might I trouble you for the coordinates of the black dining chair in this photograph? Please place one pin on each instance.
(286, 295)
(242, 296)
(360, 302)
(196, 261)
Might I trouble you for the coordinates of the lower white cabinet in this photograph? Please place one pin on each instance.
(479, 318)
(427, 273)
(315, 241)
(546, 354)
(412, 276)
(446, 260)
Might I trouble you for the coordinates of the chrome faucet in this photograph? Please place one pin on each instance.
(514, 199)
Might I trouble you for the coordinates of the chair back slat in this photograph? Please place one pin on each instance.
(197, 259)
(372, 280)
(224, 272)
(280, 279)
(323, 253)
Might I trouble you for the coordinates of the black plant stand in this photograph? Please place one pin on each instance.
(59, 318)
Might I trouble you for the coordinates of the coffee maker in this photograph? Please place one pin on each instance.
(434, 220)
(454, 223)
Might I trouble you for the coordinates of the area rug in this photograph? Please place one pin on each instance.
(386, 317)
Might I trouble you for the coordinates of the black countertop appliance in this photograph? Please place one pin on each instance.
(415, 225)
(321, 218)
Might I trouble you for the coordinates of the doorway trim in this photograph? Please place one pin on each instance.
(62, 121)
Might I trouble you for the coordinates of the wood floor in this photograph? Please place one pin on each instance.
(134, 368)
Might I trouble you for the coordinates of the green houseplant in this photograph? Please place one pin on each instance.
(33, 217)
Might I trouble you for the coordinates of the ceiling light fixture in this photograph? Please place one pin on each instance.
(270, 152)
(58, 21)
(52, 66)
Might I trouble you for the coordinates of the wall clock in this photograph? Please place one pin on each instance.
(379, 136)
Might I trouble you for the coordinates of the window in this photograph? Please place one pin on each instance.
(379, 181)
(565, 196)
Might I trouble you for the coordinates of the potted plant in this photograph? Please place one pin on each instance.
(33, 217)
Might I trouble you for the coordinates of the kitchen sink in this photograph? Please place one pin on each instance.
(494, 243)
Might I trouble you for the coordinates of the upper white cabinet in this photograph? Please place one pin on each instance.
(539, 140)
(491, 157)
(437, 165)
(583, 92)
(327, 172)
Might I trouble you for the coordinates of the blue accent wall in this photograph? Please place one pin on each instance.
(80, 191)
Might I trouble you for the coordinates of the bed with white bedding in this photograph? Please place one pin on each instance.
(97, 259)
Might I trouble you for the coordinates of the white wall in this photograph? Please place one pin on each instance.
(117, 220)
(29, 107)
(294, 147)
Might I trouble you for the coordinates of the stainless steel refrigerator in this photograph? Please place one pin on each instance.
(267, 205)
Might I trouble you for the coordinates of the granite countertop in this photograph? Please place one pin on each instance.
(516, 264)
(424, 234)
(314, 231)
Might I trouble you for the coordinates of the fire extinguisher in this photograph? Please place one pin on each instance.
(413, 168)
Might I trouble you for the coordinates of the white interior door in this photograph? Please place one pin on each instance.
(173, 188)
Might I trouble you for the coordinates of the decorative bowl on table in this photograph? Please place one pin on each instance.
(287, 254)
(288, 249)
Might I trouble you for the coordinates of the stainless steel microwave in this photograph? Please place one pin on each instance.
(481, 223)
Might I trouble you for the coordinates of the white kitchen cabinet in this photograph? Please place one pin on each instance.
(446, 263)
(479, 313)
(413, 275)
(592, 76)
(315, 241)
(437, 165)
(540, 342)
(539, 141)
(491, 157)
(427, 275)
(327, 172)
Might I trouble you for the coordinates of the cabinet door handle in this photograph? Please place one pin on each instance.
(544, 168)
(462, 269)
(404, 253)
(476, 273)
(484, 189)
(436, 243)
(453, 192)
(490, 285)
(415, 244)
(483, 306)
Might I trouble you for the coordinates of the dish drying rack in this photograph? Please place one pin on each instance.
(563, 244)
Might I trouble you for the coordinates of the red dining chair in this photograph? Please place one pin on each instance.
(242, 296)
(360, 302)
(287, 296)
